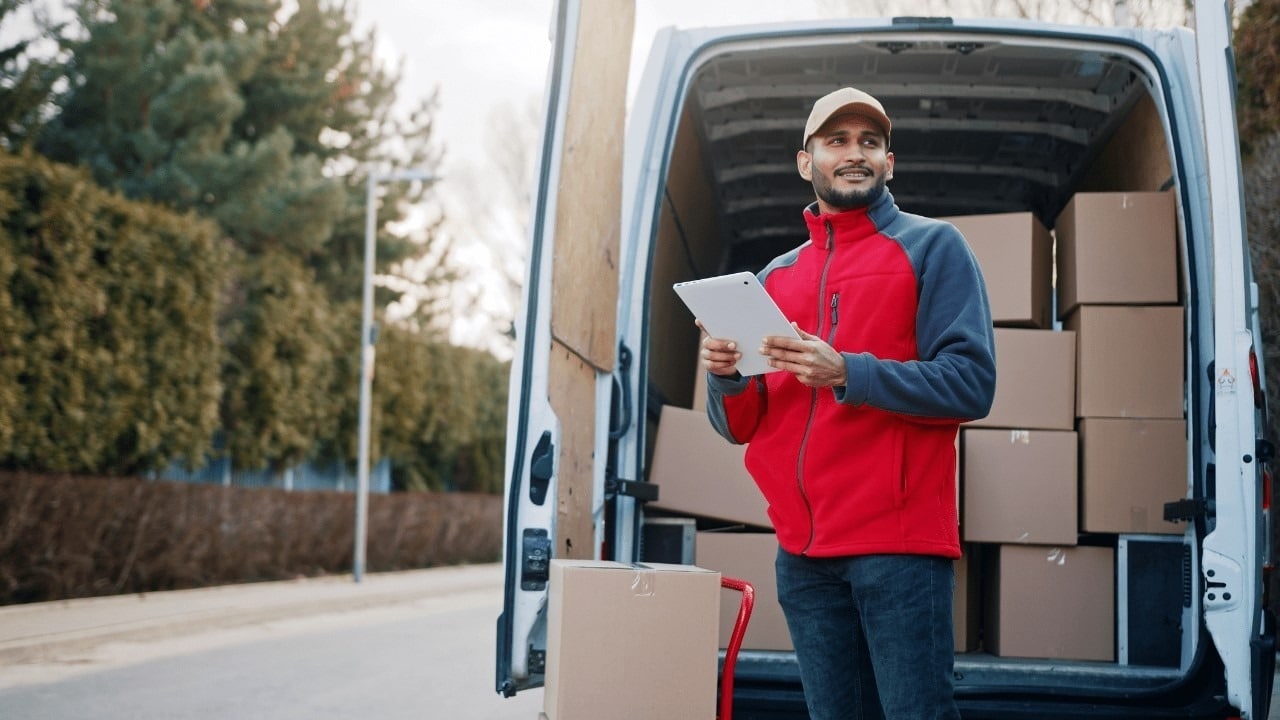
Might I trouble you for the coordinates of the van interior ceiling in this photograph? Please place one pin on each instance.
(979, 126)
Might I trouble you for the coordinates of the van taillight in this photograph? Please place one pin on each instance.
(1258, 400)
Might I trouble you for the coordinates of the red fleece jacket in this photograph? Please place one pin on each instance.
(869, 468)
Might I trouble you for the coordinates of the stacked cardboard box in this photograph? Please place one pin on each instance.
(701, 474)
(1086, 437)
(749, 557)
(1018, 464)
(1117, 259)
(1052, 602)
(1015, 252)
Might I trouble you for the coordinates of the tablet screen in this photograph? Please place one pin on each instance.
(736, 307)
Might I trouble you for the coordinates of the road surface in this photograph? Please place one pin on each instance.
(414, 645)
(401, 645)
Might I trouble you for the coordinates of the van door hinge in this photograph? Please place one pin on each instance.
(1265, 450)
(537, 661)
(1188, 509)
(642, 491)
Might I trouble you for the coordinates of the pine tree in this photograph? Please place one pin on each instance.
(26, 80)
(266, 121)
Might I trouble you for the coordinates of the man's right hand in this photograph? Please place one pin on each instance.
(720, 357)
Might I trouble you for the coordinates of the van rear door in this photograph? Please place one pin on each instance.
(566, 331)
(1232, 557)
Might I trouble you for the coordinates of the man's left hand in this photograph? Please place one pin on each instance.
(813, 362)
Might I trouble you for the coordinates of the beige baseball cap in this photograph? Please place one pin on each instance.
(845, 100)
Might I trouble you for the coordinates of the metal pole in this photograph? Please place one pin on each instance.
(367, 357)
(366, 381)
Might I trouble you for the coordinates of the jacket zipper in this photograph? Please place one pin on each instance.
(813, 393)
(835, 318)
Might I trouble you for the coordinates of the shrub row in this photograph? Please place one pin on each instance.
(67, 536)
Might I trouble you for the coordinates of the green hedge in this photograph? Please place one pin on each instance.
(109, 352)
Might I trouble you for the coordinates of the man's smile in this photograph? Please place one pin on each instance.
(856, 173)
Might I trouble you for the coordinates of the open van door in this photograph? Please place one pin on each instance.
(1233, 550)
(566, 339)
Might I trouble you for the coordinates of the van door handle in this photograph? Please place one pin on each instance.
(541, 467)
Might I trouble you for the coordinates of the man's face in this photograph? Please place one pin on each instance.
(848, 161)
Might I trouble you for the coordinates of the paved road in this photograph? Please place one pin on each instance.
(415, 645)
(406, 645)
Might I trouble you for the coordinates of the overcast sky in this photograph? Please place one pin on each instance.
(481, 54)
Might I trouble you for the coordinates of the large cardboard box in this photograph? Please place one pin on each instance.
(1035, 381)
(1015, 252)
(700, 473)
(1129, 361)
(1020, 486)
(1128, 470)
(749, 557)
(1117, 248)
(1052, 602)
(966, 605)
(631, 642)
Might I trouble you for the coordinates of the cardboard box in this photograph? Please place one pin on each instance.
(629, 641)
(749, 557)
(967, 603)
(1020, 486)
(1129, 361)
(1015, 252)
(1117, 248)
(700, 473)
(1052, 602)
(1128, 470)
(1035, 381)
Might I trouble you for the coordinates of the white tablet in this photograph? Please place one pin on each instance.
(736, 307)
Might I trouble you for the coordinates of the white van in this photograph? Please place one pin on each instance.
(990, 116)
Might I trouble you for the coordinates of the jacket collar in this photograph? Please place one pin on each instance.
(850, 225)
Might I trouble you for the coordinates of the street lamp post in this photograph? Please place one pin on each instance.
(367, 339)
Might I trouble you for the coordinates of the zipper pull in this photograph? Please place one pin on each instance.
(835, 309)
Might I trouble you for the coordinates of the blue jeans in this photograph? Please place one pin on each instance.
(872, 634)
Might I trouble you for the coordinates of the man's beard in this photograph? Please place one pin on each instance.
(848, 199)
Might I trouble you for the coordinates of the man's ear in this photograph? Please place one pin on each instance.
(804, 163)
(889, 164)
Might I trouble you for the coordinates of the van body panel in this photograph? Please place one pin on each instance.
(562, 374)
(1232, 550)
(992, 116)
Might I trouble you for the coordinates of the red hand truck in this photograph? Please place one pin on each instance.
(735, 642)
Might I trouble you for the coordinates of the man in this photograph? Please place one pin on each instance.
(853, 443)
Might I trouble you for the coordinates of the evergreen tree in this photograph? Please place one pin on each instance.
(26, 80)
(266, 119)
